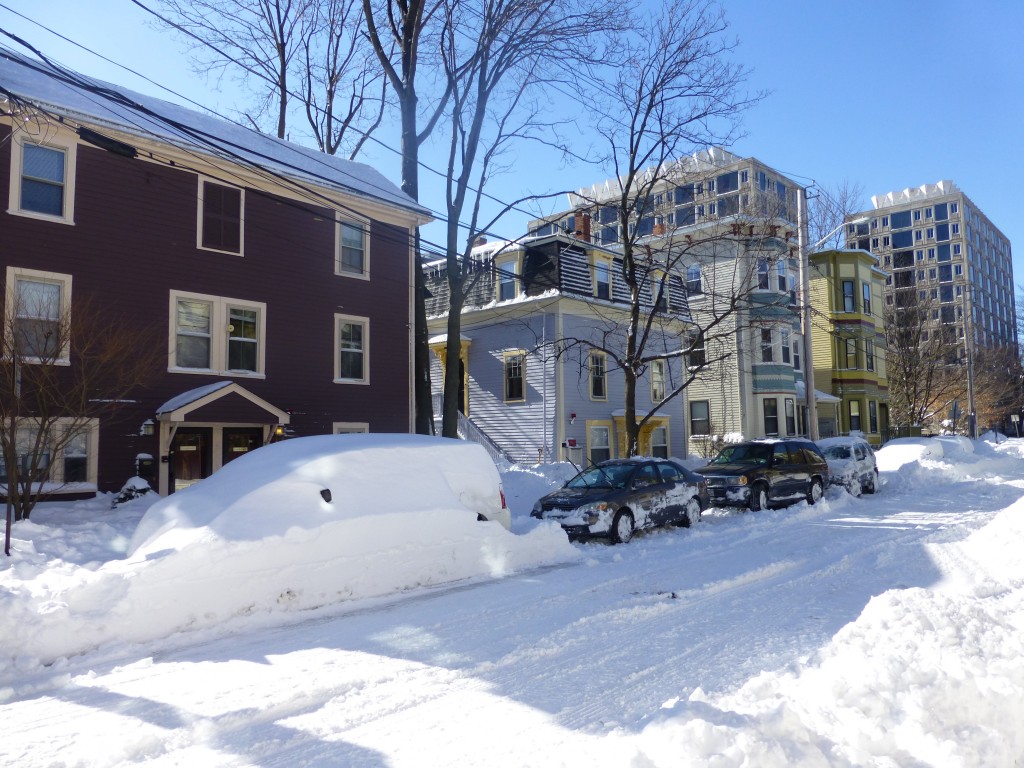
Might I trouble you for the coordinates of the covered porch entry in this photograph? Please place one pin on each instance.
(205, 428)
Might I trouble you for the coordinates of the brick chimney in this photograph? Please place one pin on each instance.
(582, 221)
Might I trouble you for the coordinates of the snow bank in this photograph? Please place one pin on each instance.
(258, 538)
(921, 677)
(904, 450)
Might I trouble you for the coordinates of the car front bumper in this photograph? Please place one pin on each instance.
(729, 495)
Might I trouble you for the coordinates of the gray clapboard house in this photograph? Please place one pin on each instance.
(522, 390)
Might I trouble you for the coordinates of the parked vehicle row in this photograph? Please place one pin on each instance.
(851, 463)
(615, 498)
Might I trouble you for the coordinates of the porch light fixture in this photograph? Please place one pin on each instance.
(148, 428)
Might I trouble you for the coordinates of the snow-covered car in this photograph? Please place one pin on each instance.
(851, 463)
(307, 483)
(617, 497)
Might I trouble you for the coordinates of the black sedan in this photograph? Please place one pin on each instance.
(615, 498)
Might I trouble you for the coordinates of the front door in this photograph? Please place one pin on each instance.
(190, 457)
(239, 441)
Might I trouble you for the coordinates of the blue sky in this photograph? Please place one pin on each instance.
(887, 94)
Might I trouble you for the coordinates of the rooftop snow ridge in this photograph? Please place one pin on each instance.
(913, 194)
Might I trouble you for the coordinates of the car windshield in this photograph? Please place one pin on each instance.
(838, 452)
(610, 476)
(745, 453)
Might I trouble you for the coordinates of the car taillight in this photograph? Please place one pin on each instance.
(501, 490)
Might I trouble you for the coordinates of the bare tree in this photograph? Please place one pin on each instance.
(61, 369)
(923, 360)
(496, 57)
(675, 92)
(344, 90)
(828, 208)
(290, 55)
(998, 379)
(398, 30)
(245, 38)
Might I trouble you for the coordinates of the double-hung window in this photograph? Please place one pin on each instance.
(790, 416)
(866, 293)
(767, 347)
(39, 310)
(851, 353)
(352, 349)
(220, 217)
(515, 376)
(42, 179)
(217, 335)
(602, 274)
(700, 417)
(598, 365)
(506, 278)
(599, 443)
(693, 279)
(771, 416)
(657, 381)
(352, 251)
(659, 442)
(243, 339)
(785, 346)
(869, 354)
(848, 296)
(855, 415)
(762, 274)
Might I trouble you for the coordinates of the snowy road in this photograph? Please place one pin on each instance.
(498, 673)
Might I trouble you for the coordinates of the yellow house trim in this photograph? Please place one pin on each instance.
(644, 438)
(440, 348)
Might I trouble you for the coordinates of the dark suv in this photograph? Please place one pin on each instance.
(758, 473)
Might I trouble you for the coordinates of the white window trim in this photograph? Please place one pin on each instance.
(365, 322)
(219, 313)
(199, 216)
(70, 149)
(355, 221)
(350, 427)
(56, 484)
(13, 274)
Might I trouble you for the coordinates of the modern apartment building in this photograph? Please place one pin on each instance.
(935, 240)
(734, 220)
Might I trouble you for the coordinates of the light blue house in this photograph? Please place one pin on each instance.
(534, 383)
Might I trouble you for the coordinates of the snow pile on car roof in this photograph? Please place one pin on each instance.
(257, 538)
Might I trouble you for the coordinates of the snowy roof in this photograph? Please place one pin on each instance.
(819, 396)
(912, 194)
(191, 396)
(101, 104)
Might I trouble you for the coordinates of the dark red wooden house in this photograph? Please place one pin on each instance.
(278, 278)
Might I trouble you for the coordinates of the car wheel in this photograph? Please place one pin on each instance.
(692, 515)
(758, 498)
(871, 484)
(814, 491)
(622, 528)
